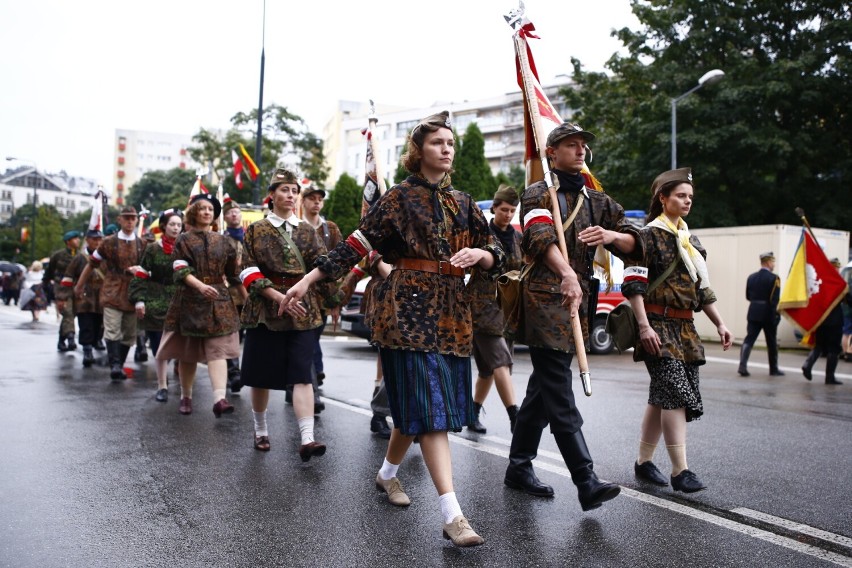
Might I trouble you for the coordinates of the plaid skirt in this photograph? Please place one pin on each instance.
(427, 392)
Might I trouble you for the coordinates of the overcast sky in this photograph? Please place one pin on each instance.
(73, 72)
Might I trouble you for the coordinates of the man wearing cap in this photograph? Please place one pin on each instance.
(118, 257)
(313, 200)
(233, 216)
(555, 291)
(59, 262)
(87, 306)
(763, 291)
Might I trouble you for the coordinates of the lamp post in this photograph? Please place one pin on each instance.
(708, 78)
(35, 203)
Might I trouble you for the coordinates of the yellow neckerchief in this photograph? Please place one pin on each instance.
(692, 259)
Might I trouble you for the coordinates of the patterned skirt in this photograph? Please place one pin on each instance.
(427, 392)
(674, 384)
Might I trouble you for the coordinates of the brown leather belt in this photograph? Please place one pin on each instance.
(668, 312)
(434, 266)
(209, 280)
(284, 281)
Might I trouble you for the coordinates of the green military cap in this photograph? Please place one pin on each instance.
(681, 175)
(565, 130)
(506, 193)
(70, 235)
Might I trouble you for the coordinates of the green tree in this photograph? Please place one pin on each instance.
(772, 135)
(401, 173)
(159, 190)
(343, 205)
(48, 230)
(472, 172)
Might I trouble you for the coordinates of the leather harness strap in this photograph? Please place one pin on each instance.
(442, 267)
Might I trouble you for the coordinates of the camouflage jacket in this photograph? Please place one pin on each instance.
(57, 266)
(208, 256)
(233, 289)
(268, 257)
(415, 310)
(114, 257)
(89, 302)
(156, 288)
(547, 323)
(678, 336)
(487, 313)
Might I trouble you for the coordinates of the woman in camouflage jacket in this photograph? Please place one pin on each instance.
(668, 342)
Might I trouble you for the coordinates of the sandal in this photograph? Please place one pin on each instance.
(261, 443)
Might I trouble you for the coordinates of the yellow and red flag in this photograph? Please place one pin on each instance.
(251, 167)
(813, 287)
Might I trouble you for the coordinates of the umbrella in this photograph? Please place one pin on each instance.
(6, 266)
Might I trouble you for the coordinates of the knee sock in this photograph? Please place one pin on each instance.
(186, 392)
(646, 452)
(388, 470)
(218, 394)
(450, 508)
(306, 428)
(678, 456)
(260, 428)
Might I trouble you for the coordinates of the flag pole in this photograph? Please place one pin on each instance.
(257, 157)
(801, 214)
(552, 182)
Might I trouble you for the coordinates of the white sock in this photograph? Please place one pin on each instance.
(306, 428)
(186, 393)
(260, 428)
(450, 508)
(388, 470)
(218, 394)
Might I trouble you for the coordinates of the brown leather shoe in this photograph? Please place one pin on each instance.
(185, 406)
(261, 443)
(392, 486)
(307, 451)
(461, 533)
(222, 407)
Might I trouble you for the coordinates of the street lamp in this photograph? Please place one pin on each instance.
(35, 203)
(708, 78)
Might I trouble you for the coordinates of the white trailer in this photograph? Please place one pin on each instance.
(733, 254)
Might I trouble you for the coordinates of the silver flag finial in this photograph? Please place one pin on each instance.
(515, 17)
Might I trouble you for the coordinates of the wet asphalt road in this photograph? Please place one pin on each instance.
(99, 474)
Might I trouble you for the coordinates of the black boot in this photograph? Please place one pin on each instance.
(520, 473)
(72, 346)
(477, 425)
(60, 345)
(116, 372)
(745, 351)
(88, 356)
(235, 378)
(379, 425)
(141, 353)
(99, 345)
(513, 416)
(590, 490)
(830, 368)
(774, 371)
(809, 363)
(123, 350)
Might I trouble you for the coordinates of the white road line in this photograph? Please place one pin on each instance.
(794, 526)
(729, 524)
(794, 370)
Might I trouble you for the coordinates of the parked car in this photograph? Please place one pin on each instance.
(351, 318)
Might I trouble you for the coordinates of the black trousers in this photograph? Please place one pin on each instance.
(91, 328)
(550, 398)
(770, 332)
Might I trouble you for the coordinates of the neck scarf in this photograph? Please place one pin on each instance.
(505, 236)
(237, 233)
(692, 259)
(441, 192)
(168, 244)
(570, 182)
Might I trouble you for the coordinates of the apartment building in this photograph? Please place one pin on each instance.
(69, 194)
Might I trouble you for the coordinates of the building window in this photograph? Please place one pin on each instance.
(402, 128)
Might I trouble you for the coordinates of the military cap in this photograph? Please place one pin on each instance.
(767, 256)
(434, 122)
(282, 176)
(94, 234)
(565, 130)
(506, 193)
(70, 235)
(836, 262)
(308, 188)
(682, 175)
(111, 229)
(228, 204)
(208, 197)
(127, 210)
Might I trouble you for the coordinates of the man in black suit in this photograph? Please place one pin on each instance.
(763, 290)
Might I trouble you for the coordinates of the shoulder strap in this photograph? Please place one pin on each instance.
(573, 215)
(289, 240)
(664, 275)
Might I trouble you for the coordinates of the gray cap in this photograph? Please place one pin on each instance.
(565, 130)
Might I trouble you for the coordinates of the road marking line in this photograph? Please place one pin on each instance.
(729, 524)
(794, 526)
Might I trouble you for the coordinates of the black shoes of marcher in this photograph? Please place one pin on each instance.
(288, 395)
(60, 345)
(807, 373)
(379, 425)
(776, 373)
(477, 426)
(320, 379)
(513, 416)
(235, 382)
(99, 345)
(162, 395)
(593, 492)
(833, 381)
(743, 372)
(687, 482)
(116, 373)
(647, 471)
(72, 346)
(88, 356)
(140, 355)
(319, 405)
(524, 479)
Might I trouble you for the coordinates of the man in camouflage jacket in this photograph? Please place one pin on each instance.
(59, 262)
(87, 305)
(554, 292)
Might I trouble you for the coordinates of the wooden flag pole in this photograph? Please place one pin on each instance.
(552, 186)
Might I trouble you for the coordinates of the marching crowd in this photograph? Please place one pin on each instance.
(197, 293)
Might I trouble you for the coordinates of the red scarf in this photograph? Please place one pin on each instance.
(168, 244)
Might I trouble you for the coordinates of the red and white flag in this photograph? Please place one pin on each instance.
(96, 220)
(197, 188)
(238, 168)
